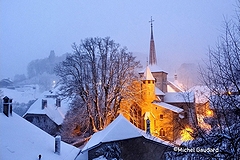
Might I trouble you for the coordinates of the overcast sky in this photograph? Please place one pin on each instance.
(183, 29)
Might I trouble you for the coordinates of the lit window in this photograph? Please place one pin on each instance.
(161, 116)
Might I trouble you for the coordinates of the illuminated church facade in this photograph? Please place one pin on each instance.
(169, 109)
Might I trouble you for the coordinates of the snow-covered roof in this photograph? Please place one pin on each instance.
(168, 106)
(202, 93)
(119, 129)
(174, 87)
(179, 97)
(158, 92)
(57, 114)
(147, 74)
(154, 68)
(24, 141)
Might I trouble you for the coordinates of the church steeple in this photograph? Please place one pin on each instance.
(152, 53)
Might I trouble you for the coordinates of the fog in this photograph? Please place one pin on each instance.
(183, 30)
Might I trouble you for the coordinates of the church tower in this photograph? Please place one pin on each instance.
(159, 75)
(148, 86)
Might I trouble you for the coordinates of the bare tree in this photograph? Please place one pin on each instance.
(97, 73)
(222, 78)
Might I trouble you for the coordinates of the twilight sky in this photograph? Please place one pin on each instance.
(183, 30)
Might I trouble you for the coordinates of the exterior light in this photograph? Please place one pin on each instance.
(186, 134)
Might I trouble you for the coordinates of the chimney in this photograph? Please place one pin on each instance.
(7, 106)
(58, 102)
(148, 127)
(57, 144)
(44, 103)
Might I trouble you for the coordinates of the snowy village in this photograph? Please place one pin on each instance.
(101, 101)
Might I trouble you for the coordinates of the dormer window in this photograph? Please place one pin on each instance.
(58, 102)
(44, 103)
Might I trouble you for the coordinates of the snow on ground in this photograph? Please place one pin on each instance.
(23, 141)
(22, 94)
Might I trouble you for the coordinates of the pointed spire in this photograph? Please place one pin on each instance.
(148, 75)
(152, 53)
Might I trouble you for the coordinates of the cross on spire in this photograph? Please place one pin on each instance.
(151, 21)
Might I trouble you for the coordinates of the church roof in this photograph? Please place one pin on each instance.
(179, 97)
(148, 75)
(119, 129)
(173, 87)
(169, 107)
(154, 68)
(158, 92)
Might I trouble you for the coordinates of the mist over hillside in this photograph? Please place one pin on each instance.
(40, 72)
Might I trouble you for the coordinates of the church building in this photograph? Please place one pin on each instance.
(161, 103)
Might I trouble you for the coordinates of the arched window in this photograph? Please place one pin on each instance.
(136, 116)
(162, 133)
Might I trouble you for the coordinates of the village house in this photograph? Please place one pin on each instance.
(48, 112)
